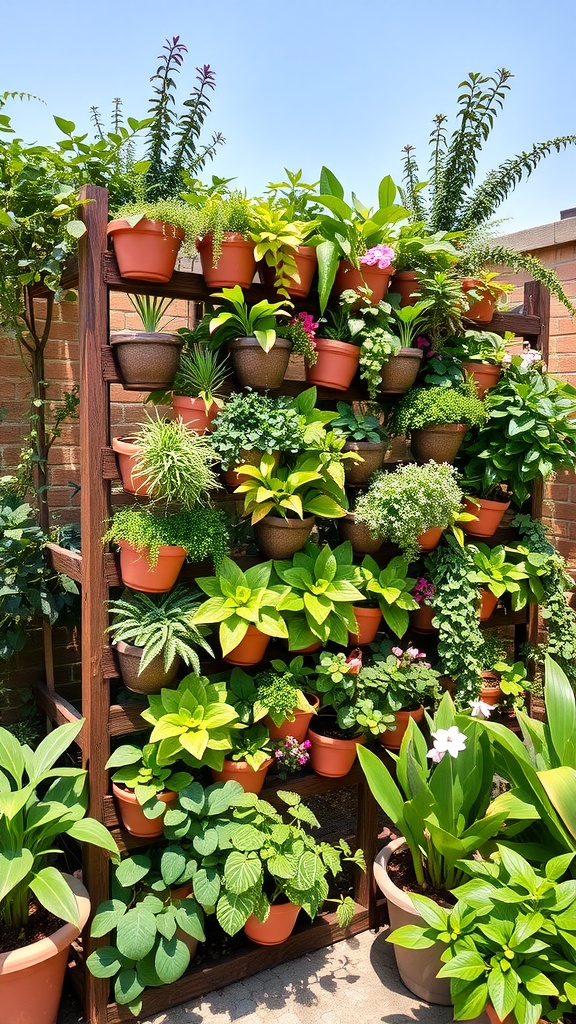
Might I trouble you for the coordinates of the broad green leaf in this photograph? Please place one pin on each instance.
(11, 756)
(136, 933)
(52, 891)
(242, 872)
(233, 910)
(107, 917)
(127, 986)
(88, 830)
(411, 936)
(206, 884)
(14, 866)
(105, 962)
(53, 746)
(132, 869)
(171, 959)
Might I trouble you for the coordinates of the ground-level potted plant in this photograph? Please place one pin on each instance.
(40, 802)
(147, 359)
(154, 635)
(258, 355)
(436, 419)
(143, 788)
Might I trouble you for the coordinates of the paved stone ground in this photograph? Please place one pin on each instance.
(352, 981)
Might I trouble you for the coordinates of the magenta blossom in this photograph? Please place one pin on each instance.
(423, 591)
(308, 322)
(380, 256)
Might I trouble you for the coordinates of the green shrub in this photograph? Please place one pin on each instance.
(423, 407)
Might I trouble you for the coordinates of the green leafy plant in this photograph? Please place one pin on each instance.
(423, 252)
(405, 678)
(509, 939)
(150, 926)
(253, 745)
(290, 492)
(192, 723)
(175, 463)
(33, 815)
(201, 373)
(321, 589)
(252, 421)
(160, 624)
(202, 532)
(391, 589)
(279, 690)
(276, 236)
(138, 770)
(357, 425)
(403, 505)
(423, 407)
(529, 434)
(439, 802)
(447, 305)
(218, 211)
(151, 309)
(478, 347)
(239, 599)
(235, 319)
(492, 572)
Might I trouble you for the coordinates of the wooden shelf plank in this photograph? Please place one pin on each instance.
(59, 710)
(67, 562)
(125, 718)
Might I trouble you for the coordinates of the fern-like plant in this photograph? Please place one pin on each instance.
(160, 624)
(454, 201)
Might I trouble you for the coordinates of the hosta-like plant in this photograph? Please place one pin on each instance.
(192, 723)
(138, 770)
(391, 588)
(32, 817)
(235, 319)
(239, 599)
(322, 587)
(290, 493)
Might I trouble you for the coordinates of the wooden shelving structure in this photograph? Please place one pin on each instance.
(96, 570)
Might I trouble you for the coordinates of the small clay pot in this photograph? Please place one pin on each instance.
(277, 927)
(438, 442)
(281, 538)
(235, 266)
(194, 414)
(430, 539)
(392, 738)
(256, 368)
(146, 361)
(299, 727)
(368, 620)
(336, 364)
(147, 251)
(485, 375)
(488, 602)
(133, 818)
(332, 758)
(403, 283)
(128, 452)
(367, 277)
(139, 575)
(491, 692)
(421, 619)
(482, 311)
(372, 453)
(489, 515)
(306, 263)
(251, 779)
(250, 650)
(359, 535)
(400, 371)
(154, 676)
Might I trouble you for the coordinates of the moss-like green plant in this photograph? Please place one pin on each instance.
(171, 211)
(424, 407)
(202, 532)
(221, 212)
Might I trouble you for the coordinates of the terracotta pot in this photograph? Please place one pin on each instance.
(494, 1018)
(417, 967)
(439, 442)
(147, 251)
(337, 363)
(250, 650)
(256, 368)
(392, 738)
(306, 263)
(250, 456)
(32, 977)
(368, 620)
(235, 266)
(489, 515)
(488, 602)
(421, 619)
(281, 538)
(277, 927)
(128, 452)
(367, 277)
(372, 453)
(251, 779)
(133, 818)
(137, 574)
(154, 676)
(400, 372)
(359, 535)
(485, 375)
(491, 692)
(483, 311)
(146, 361)
(430, 539)
(193, 412)
(298, 728)
(330, 757)
(403, 283)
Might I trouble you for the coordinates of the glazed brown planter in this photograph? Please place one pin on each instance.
(367, 277)
(332, 758)
(400, 372)
(430, 540)
(157, 579)
(133, 818)
(421, 619)
(299, 727)
(194, 414)
(32, 977)
(235, 266)
(147, 251)
(372, 453)
(281, 538)
(489, 515)
(359, 535)
(128, 452)
(154, 676)
(306, 263)
(277, 927)
(251, 779)
(488, 602)
(256, 368)
(336, 365)
(368, 620)
(439, 442)
(485, 375)
(146, 361)
(250, 650)
(247, 456)
(392, 738)
(403, 283)
(417, 967)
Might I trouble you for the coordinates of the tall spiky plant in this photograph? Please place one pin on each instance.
(455, 202)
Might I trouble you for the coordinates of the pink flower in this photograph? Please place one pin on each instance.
(307, 744)
(354, 661)
(427, 664)
(435, 755)
(412, 652)
(380, 256)
(309, 324)
(397, 652)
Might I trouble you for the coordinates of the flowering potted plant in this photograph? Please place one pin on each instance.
(258, 355)
(409, 683)
(438, 802)
(422, 617)
(300, 330)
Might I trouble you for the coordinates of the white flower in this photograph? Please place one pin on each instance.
(449, 741)
(480, 709)
(435, 755)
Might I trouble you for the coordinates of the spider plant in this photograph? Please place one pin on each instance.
(201, 373)
(175, 462)
(151, 309)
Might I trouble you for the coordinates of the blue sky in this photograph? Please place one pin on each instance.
(311, 82)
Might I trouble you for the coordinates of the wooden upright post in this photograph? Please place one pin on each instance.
(95, 498)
